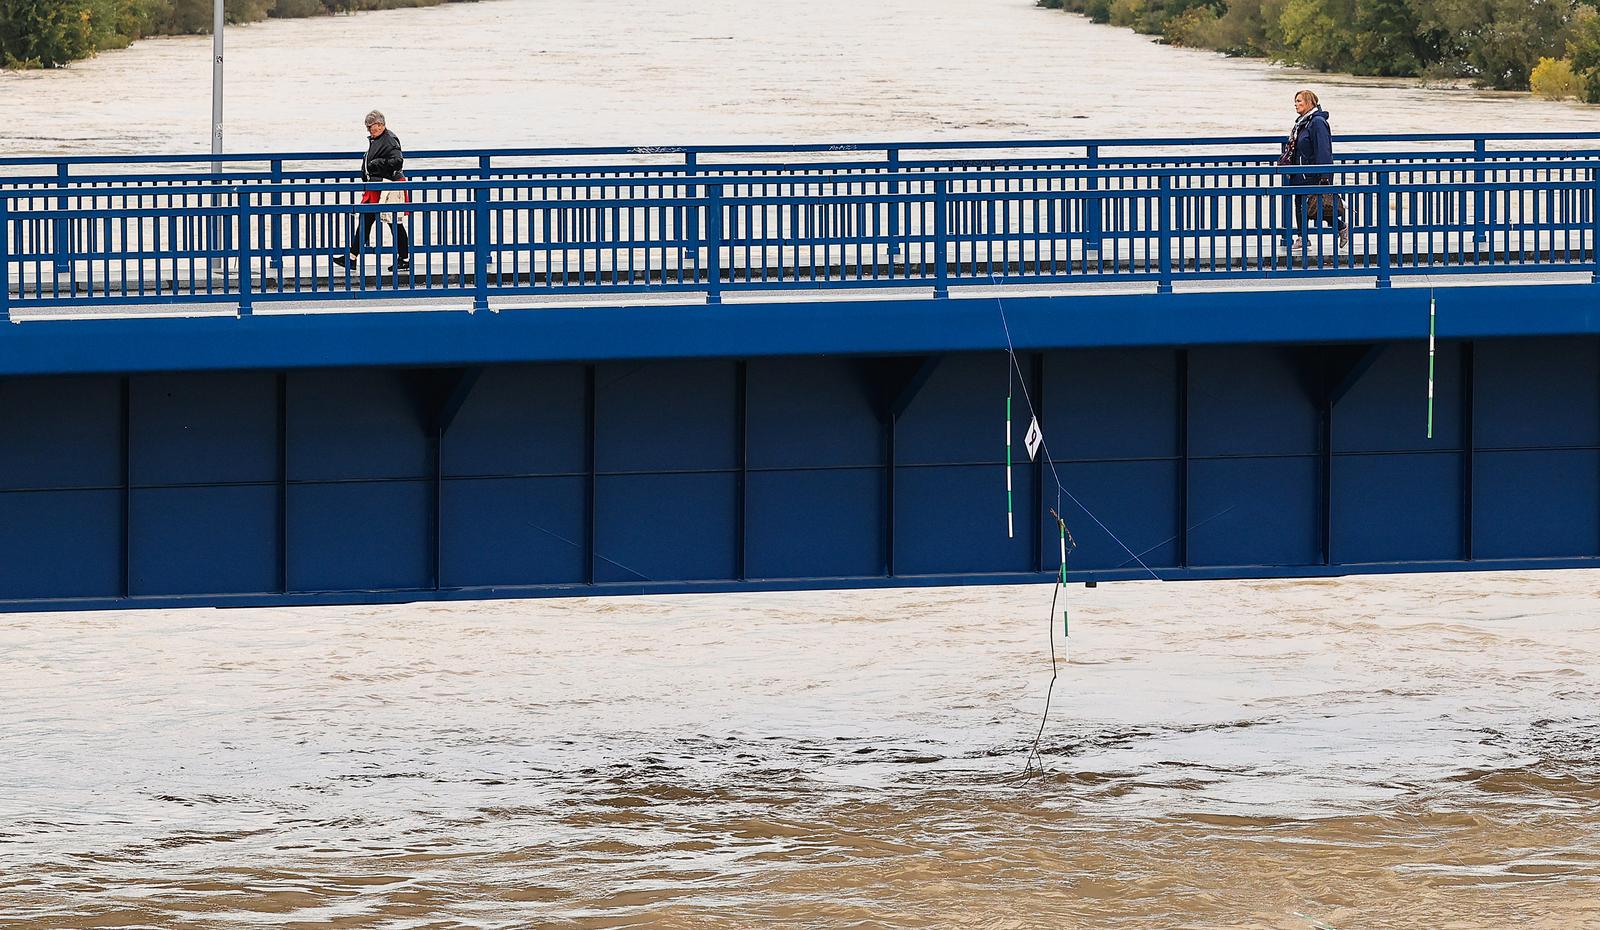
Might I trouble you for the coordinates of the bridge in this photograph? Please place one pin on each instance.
(725, 368)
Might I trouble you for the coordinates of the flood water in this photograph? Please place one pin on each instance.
(667, 72)
(1401, 752)
(1404, 752)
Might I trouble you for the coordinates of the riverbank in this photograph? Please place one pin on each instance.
(1550, 48)
(54, 33)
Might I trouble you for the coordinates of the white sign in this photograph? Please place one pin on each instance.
(1034, 439)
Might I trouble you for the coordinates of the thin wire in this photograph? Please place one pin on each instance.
(1033, 754)
(1044, 447)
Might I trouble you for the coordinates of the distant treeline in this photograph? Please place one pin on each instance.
(1552, 46)
(50, 33)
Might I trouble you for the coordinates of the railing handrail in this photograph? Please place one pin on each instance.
(225, 185)
(807, 147)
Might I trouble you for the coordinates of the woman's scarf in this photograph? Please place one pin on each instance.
(1294, 134)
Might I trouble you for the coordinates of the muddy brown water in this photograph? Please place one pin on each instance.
(1396, 752)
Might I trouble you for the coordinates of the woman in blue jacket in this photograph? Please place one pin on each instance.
(1310, 142)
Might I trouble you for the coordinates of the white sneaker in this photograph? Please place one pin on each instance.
(1296, 245)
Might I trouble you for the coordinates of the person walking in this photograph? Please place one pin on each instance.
(1310, 142)
(384, 161)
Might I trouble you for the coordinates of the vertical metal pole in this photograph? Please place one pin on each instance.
(713, 243)
(480, 246)
(1164, 236)
(941, 237)
(1594, 224)
(5, 261)
(216, 84)
(1384, 254)
(1091, 207)
(63, 231)
(894, 205)
(277, 216)
(245, 275)
(1480, 208)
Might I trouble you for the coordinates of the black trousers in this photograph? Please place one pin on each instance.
(402, 239)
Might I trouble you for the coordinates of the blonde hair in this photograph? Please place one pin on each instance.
(1310, 95)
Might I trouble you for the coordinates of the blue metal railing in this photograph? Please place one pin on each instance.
(240, 242)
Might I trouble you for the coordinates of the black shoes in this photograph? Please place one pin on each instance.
(342, 260)
(400, 268)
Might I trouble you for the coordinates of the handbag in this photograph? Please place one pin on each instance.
(390, 195)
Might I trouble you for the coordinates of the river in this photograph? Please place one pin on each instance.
(659, 72)
(1375, 752)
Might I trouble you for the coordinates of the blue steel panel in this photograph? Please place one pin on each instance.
(1111, 404)
(360, 535)
(653, 416)
(952, 519)
(1249, 400)
(501, 531)
(60, 432)
(352, 424)
(1371, 491)
(203, 427)
(1387, 409)
(201, 540)
(1137, 501)
(815, 524)
(786, 327)
(60, 544)
(810, 412)
(521, 420)
(959, 415)
(1254, 511)
(1537, 392)
(1536, 504)
(665, 527)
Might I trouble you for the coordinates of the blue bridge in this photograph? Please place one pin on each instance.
(723, 368)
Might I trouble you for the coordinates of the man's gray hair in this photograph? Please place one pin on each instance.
(375, 118)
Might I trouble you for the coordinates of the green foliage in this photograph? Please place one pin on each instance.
(1496, 43)
(51, 33)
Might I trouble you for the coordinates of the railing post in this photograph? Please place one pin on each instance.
(1384, 254)
(941, 238)
(480, 245)
(485, 172)
(5, 260)
(713, 243)
(1594, 224)
(1480, 226)
(691, 167)
(894, 205)
(277, 215)
(246, 279)
(1164, 237)
(63, 231)
(1091, 208)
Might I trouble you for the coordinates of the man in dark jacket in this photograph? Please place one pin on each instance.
(1310, 142)
(384, 161)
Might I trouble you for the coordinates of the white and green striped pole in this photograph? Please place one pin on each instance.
(1011, 526)
(1066, 630)
(1432, 313)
